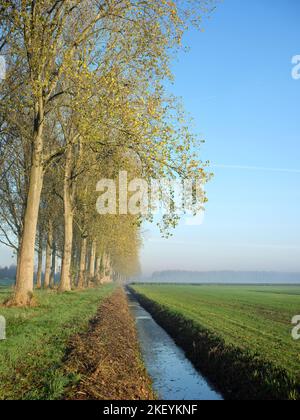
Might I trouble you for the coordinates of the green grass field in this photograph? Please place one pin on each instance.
(255, 318)
(31, 358)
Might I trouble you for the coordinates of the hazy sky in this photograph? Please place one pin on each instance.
(236, 82)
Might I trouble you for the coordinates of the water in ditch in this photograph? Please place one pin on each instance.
(173, 375)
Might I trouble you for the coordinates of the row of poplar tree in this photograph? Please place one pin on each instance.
(84, 97)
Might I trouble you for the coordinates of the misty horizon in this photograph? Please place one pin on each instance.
(223, 276)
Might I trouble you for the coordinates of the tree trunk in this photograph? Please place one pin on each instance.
(40, 264)
(25, 270)
(98, 270)
(75, 265)
(106, 269)
(48, 256)
(65, 278)
(92, 262)
(53, 266)
(81, 279)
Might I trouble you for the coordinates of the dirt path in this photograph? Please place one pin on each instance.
(107, 357)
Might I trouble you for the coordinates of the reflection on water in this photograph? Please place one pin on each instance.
(173, 375)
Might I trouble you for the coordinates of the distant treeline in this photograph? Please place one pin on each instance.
(8, 272)
(174, 276)
(8, 275)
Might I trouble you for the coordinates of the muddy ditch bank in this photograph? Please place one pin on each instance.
(107, 357)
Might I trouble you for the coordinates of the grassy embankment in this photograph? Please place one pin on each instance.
(31, 359)
(239, 336)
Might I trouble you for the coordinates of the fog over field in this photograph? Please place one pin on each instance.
(174, 276)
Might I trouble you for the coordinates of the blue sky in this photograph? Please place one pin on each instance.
(236, 83)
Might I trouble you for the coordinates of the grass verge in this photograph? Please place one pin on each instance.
(31, 358)
(107, 357)
(238, 372)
